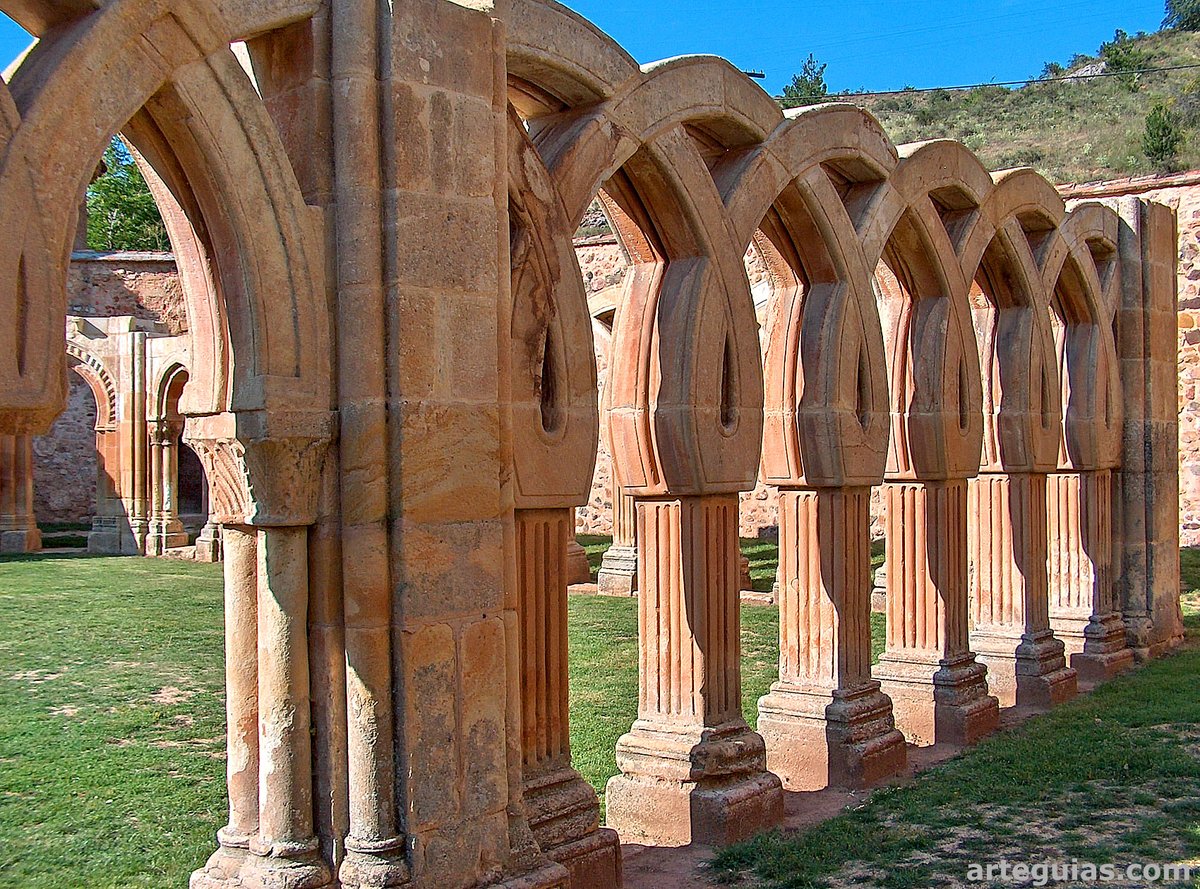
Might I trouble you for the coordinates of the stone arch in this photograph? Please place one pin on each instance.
(221, 138)
(97, 376)
(684, 393)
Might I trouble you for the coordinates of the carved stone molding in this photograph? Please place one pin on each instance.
(264, 469)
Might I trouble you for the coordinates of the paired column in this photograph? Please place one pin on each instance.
(939, 691)
(619, 569)
(18, 526)
(1010, 606)
(563, 810)
(1083, 608)
(166, 530)
(269, 839)
(826, 722)
(691, 769)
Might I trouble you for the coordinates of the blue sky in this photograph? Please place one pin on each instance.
(871, 44)
(874, 44)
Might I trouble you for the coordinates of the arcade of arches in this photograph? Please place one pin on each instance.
(391, 385)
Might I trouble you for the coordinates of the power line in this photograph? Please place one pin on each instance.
(1066, 78)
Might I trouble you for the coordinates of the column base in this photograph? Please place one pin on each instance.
(939, 701)
(701, 785)
(1026, 670)
(552, 876)
(563, 814)
(579, 570)
(26, 540)
(618, 572)
(374, 867)
(1096, 647)
(820, 738)
(230, 868)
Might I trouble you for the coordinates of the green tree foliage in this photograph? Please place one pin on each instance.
(808, 87)
(1163, 136)
(1123, 57)
(122, 214)
(1183, 14)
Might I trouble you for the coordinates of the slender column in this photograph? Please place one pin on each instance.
(825, 722)
(691, 769)
(154, 536)
(18, 527)
(286, 844)
(1010, 625)
(1083, 609)
(171, 527)
(619, 568)
(241, 708)
(939, 692)
(563, 809)
(139, 522)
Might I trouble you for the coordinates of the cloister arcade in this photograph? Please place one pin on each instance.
(392, 389)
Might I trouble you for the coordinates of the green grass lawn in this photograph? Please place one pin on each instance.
(1110, 778)
(112, 751)
(111, 721)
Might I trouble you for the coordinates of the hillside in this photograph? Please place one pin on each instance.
(1070, 131)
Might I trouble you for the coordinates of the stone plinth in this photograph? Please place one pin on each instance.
(691, 769)
(1083, 611)
(618, 575)
(1010, 610)
(825, 722)
(939, 692)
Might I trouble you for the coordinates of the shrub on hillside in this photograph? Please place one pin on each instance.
(1163, 137)
(1122, 57)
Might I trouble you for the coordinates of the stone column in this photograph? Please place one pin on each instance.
(265, 473)
(939, 691)
(139, 489)
(1010, 606)
(563, 809)
(18, 526)
(1083, 608)
(691, 769)
(241, 703)
(172, 530)
(825, 722)
(155, 485)
(579, 570)
(619, 570)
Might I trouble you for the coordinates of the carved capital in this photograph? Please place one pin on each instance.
(263, 469)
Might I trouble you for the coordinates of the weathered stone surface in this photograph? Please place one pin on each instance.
(392, 383)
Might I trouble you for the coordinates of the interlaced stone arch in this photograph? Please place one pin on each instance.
(438, 527)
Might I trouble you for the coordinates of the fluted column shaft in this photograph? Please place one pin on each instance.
(938, 690)
(18, 525)
(1083, 610)
(563, 809)
(692, 771)
(1010, 609)
(825, 721)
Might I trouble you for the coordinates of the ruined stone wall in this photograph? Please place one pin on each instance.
(1181, 192)
(64, 476)
(144, 285)
(100, 285)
